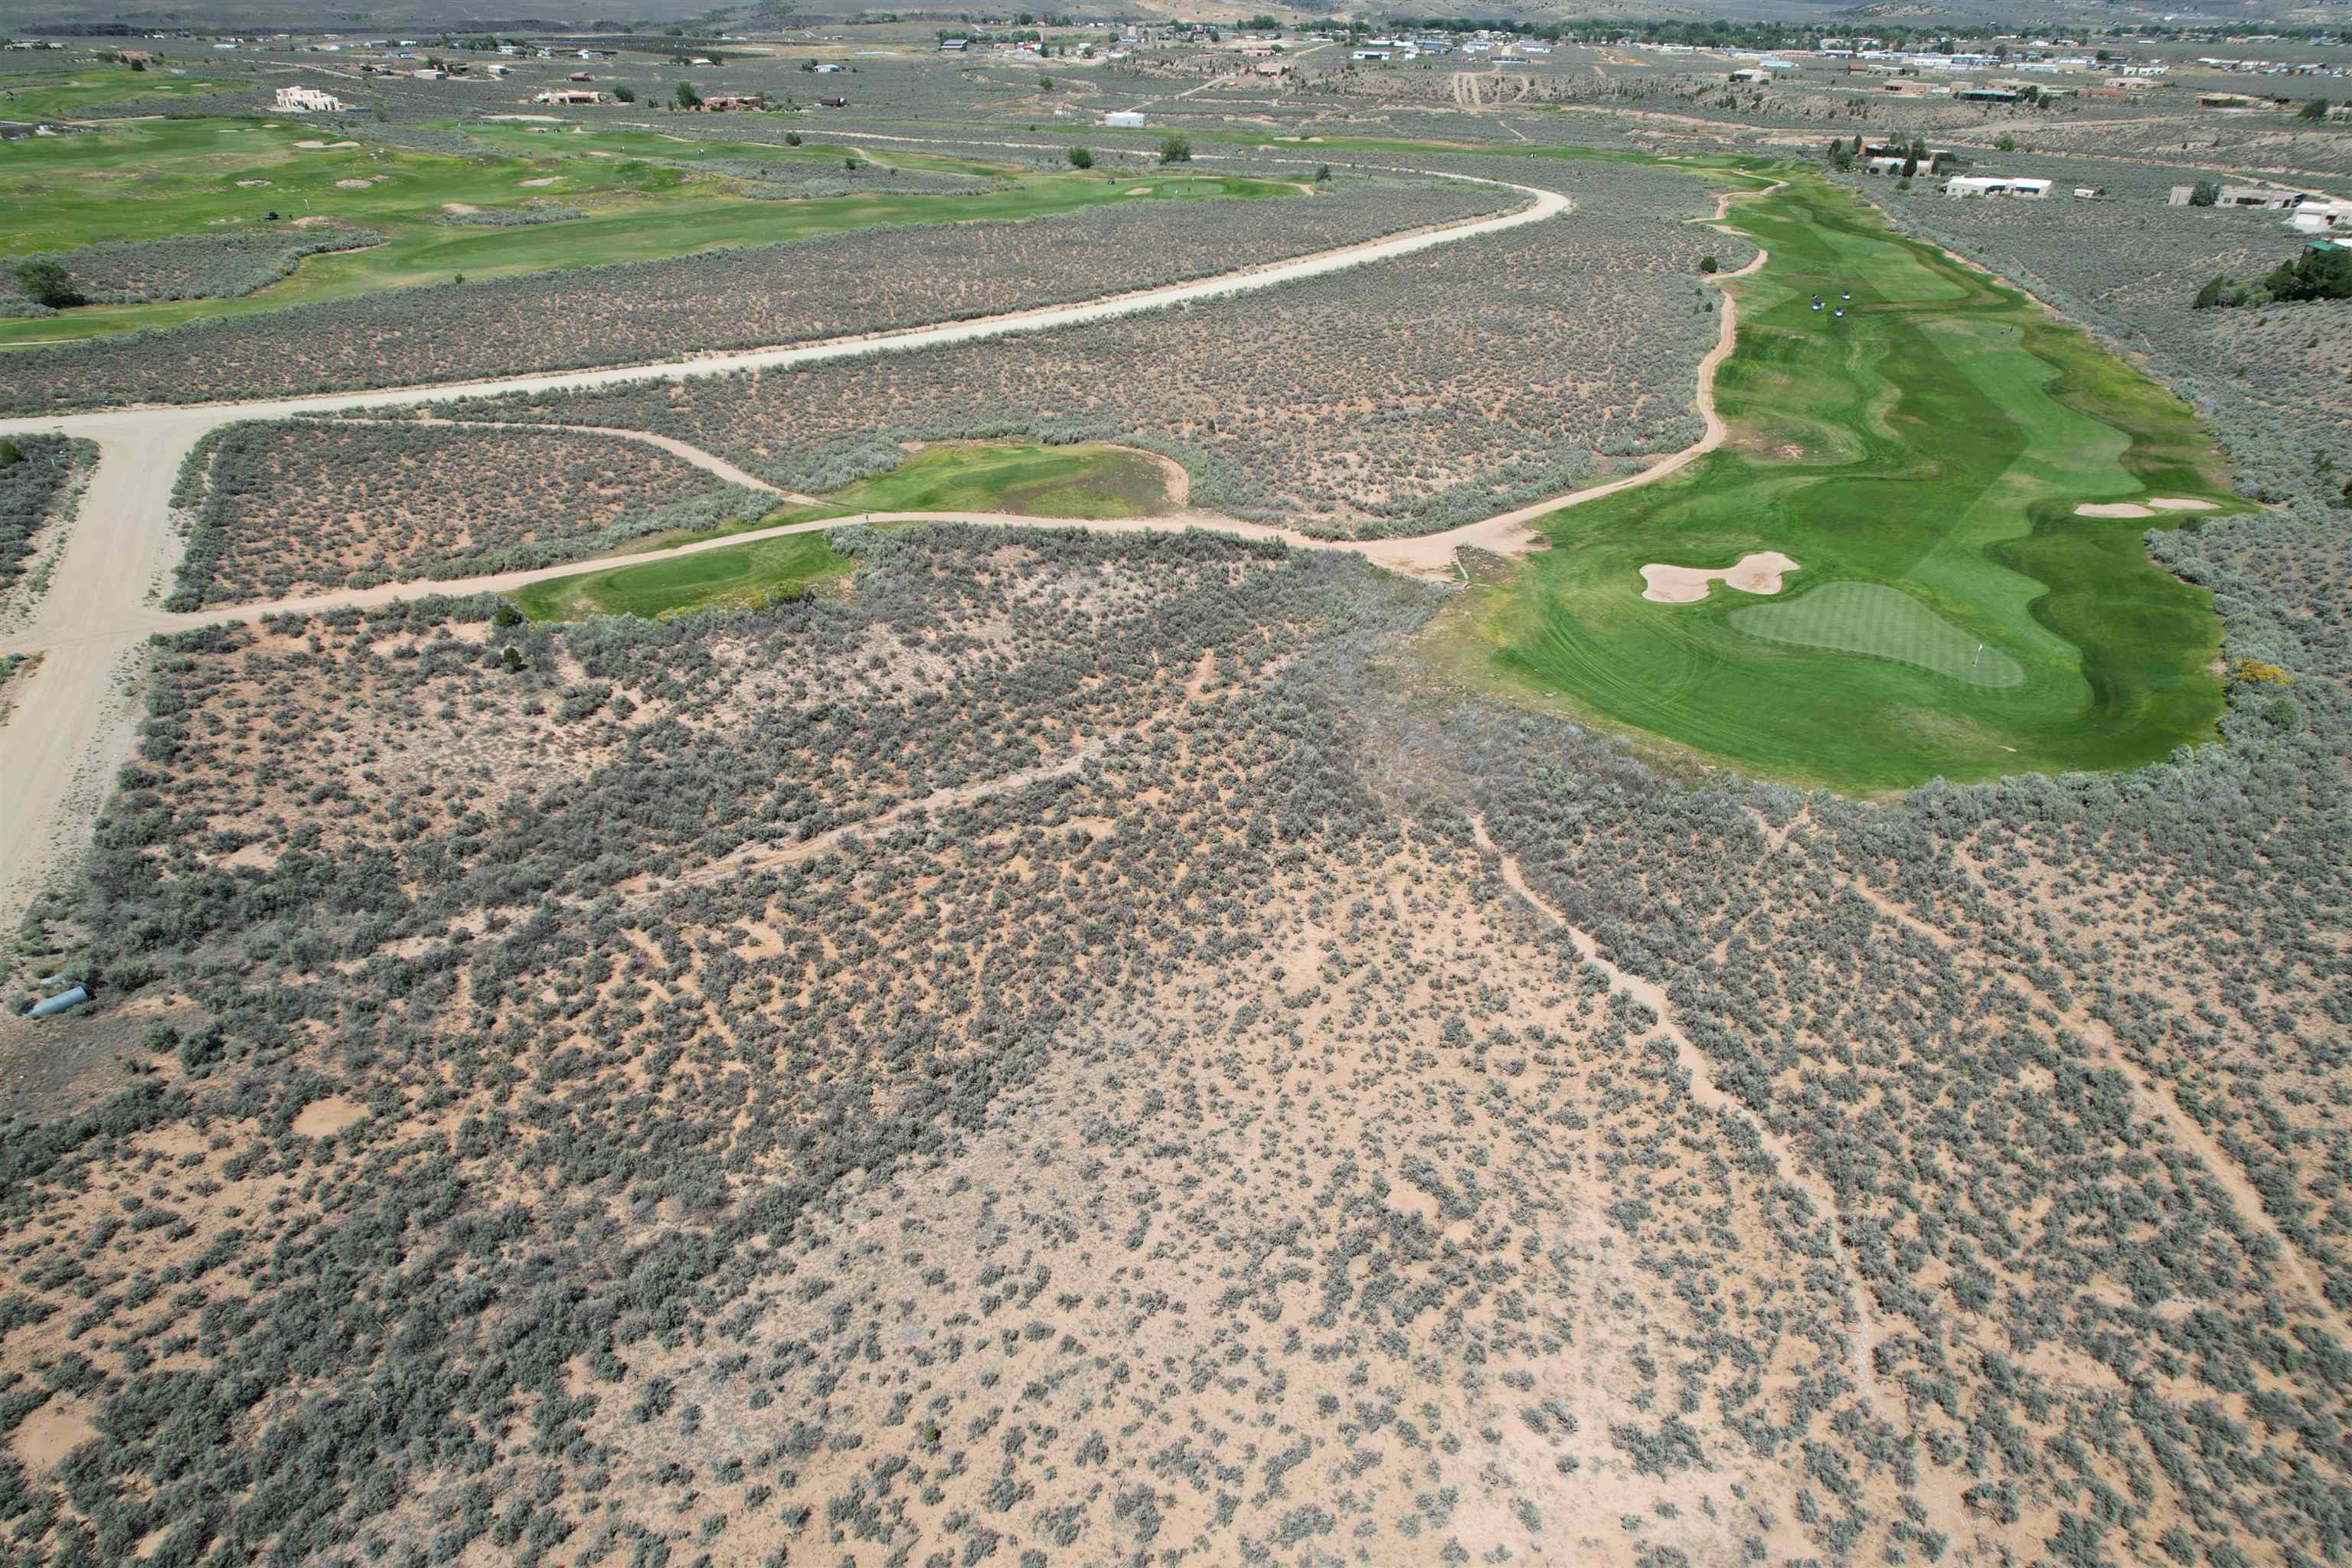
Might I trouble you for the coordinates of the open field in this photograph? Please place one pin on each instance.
(1045, 1046)
(746, 292)
(150, 180)
(1931, 444)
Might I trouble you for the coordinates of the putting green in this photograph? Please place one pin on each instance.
(1922, 455)
(1885, 623)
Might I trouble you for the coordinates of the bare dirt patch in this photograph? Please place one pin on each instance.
(325, 1117)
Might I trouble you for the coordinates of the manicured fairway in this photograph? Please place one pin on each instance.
(64, 95)
(156, 178)
(1921, 458)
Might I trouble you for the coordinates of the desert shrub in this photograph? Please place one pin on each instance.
(869, 280)
(186, 266)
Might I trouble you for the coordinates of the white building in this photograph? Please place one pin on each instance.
(308, 100)
(1997, 185)
(1124, 120)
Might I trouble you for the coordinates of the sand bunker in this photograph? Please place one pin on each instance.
(1757, 572)
(459, 207)
(354, 184)
(548, 181)
(2134, 508)
(1141, 191)
(310, 142)
(249, 185)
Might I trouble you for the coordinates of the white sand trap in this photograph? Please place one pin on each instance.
(249, 185)
(354, 184)
(2155, 504)
(1755, 573)
(548, 181)
(334, 144)
(310, 142)
(1141, 191)
(459, 207)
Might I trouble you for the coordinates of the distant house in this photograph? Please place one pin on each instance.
(1124, 120)
(581, 75)
(720, 102)
(568, 95)
(2238, 101)
(2267, 198)
(833, 103)
(954, 45)
(308, 100)
(2029, 190)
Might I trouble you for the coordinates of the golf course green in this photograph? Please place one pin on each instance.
(1920, 457)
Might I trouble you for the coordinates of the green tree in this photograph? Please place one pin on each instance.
(506, 615)
(625, 95)
(688, 98)
(1175, 150)
(1323, 175)
(2211, 294)
(46, 283)
(1081, 158)
(2316, 109)
(1045, 84)
(1706, 264)
(2005, 143)
(2205, 192)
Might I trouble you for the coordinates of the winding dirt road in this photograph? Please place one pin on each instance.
(72, 720)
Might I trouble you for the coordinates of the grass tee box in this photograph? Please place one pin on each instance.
(1920, 457)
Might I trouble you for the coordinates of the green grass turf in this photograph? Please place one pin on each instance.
(66, 95)
(150, 179)
(1883, 622)
(1934, 441)
(1082, 480)
(1029, 480)
(742, 576)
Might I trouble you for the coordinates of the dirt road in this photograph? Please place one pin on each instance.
(71, 722)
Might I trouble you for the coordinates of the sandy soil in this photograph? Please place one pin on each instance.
(325, 1117)
(2180, 503)
(72, 724)
(1758, 572)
